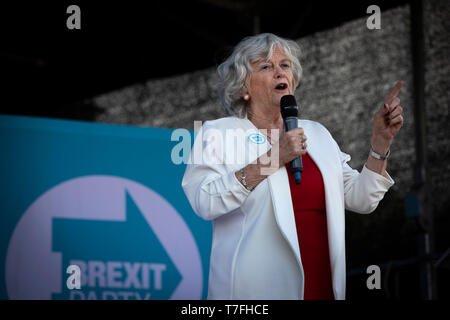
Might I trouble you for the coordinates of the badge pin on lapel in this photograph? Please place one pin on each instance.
(257, 138)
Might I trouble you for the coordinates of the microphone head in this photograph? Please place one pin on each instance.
(288, 106)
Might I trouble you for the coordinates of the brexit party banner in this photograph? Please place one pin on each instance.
(96, 211)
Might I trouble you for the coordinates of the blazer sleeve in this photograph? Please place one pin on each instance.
(363, 190)
(209, 184)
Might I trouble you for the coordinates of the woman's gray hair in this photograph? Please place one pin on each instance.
(233, 72)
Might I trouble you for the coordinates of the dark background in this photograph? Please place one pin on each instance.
(46, 69)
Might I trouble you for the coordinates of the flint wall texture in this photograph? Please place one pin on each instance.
(348, 71)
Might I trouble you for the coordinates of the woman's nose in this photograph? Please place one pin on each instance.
(279, 72)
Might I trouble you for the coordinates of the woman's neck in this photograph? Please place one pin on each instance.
(266, 121)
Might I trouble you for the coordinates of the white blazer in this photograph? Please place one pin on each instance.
(255, 252)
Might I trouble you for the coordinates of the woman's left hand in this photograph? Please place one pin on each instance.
(387, 121)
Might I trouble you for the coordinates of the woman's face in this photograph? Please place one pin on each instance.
(270, 80)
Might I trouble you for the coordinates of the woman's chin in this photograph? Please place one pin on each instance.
(280, 93)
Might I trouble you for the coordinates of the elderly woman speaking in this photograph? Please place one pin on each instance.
(272, 237)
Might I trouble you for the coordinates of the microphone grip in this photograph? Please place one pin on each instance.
(290, 123)
(296, 168)
(296, 164)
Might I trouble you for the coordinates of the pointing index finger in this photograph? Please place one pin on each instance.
(394, 92)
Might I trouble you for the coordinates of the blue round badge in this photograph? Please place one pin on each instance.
(257, 138)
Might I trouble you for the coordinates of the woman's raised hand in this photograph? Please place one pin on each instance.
(387, 121)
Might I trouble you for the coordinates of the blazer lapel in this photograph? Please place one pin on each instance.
(283, 209)
(280, 192)
(322, 152)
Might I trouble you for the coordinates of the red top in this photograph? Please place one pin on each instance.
(308, 199)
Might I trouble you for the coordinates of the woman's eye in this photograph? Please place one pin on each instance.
(265, 67)
(285, 65)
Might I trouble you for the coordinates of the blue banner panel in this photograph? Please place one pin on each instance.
(96, 211)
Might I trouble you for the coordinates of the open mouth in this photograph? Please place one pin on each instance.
(281, 86)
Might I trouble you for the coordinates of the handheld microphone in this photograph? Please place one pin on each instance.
(289, 112)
